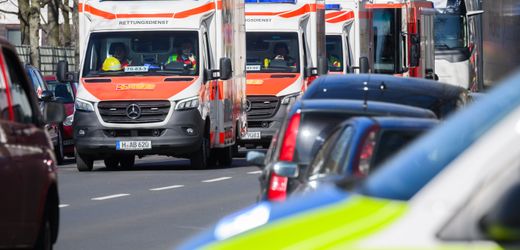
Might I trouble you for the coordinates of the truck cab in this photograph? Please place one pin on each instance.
(285, 43)
(159, 78)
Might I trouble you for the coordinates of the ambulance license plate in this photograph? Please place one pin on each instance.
(252, 135)
(133, 145)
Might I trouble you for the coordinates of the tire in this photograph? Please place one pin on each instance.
(58, 150)
(225, 156)
(127, 162)
(199, 159)
(112, 163)
(44, 240)
(83, 163)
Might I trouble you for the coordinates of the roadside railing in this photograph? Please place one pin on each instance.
(49, 57)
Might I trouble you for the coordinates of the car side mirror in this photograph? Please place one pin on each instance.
(53, 112)
(47, 96)
(226, 70)
(502, 222)
(62, 70)
(363, 65)
(286, 169)
(256, 158)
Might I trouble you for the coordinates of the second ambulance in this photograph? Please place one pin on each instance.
(285, 52)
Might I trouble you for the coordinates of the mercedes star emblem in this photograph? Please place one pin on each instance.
(133, 111)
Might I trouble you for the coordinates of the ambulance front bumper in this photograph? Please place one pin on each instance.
(180, 136)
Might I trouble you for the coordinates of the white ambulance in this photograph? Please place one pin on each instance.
(342, 31)
(159, 77)
(285, 51)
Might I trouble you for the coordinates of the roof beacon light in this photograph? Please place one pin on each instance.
(332, 6)
(271, 1)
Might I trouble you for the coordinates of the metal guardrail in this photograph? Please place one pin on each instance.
(49, 57)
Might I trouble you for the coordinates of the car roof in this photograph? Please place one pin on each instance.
(348, 106)
(438, 97)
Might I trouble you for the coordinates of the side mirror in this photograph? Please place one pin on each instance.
(431, 75)
(47, 96)
(502, 222)
(415, 50)
(256, 158)
(53, 112)
(311, 72)
(474, 13)
(62, 70)
(363, 65)
(286, 169)
(226, 70)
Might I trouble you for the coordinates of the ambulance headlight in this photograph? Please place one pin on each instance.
(83, 105)
(290, 98)
(190, 103)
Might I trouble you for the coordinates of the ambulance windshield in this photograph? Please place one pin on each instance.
(335, 53)
(272, 52)
(449, 31)
(142, 53)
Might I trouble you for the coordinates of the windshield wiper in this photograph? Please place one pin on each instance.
(442, 45)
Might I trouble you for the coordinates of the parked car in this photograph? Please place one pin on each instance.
(441, 98)
(355, 148)
(43, 93)
(66, 94)
(299, 137)
(455, 187)
(29, 214)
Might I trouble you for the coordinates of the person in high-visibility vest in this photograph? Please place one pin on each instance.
(186, 56)
(281, 52)
(334, 62)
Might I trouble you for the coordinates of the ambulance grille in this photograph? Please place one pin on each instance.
(261, 107)
(149, 111)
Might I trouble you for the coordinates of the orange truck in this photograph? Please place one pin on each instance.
(285, 43)
(159, 78)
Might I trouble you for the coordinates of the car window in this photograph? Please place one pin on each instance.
(403, 176)
(332, 154)
(62, 91)
(4, 108)
(391, 141)
(20, 100)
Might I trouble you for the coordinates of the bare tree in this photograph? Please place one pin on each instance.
(66, 11)
(34, 31)
(53, 28)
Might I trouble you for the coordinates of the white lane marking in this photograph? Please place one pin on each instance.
(217, 179)
(63, 205)
(255, 172)
(165, 188)
(109, 197)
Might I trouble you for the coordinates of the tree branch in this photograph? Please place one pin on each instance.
(8, 12)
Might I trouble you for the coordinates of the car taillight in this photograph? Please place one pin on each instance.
(277, 190)
(367, 151)
(289, 139)
(311, 79)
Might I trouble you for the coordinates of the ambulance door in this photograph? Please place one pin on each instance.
(209, 109)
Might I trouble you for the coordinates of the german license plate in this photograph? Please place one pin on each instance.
(133, 145)
(252, 135)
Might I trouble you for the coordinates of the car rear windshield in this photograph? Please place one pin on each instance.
(62, 91)
(407, 173)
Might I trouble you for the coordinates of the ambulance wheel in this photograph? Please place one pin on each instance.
(111, 163)
(127, 162)
(83, 163)
(226, 156)
(199, 159)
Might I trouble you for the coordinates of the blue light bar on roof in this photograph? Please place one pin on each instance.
(270, 1)
(332, 7)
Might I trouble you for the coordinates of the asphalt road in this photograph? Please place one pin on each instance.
(156, 205)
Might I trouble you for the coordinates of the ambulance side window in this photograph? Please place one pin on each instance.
(208, 51)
